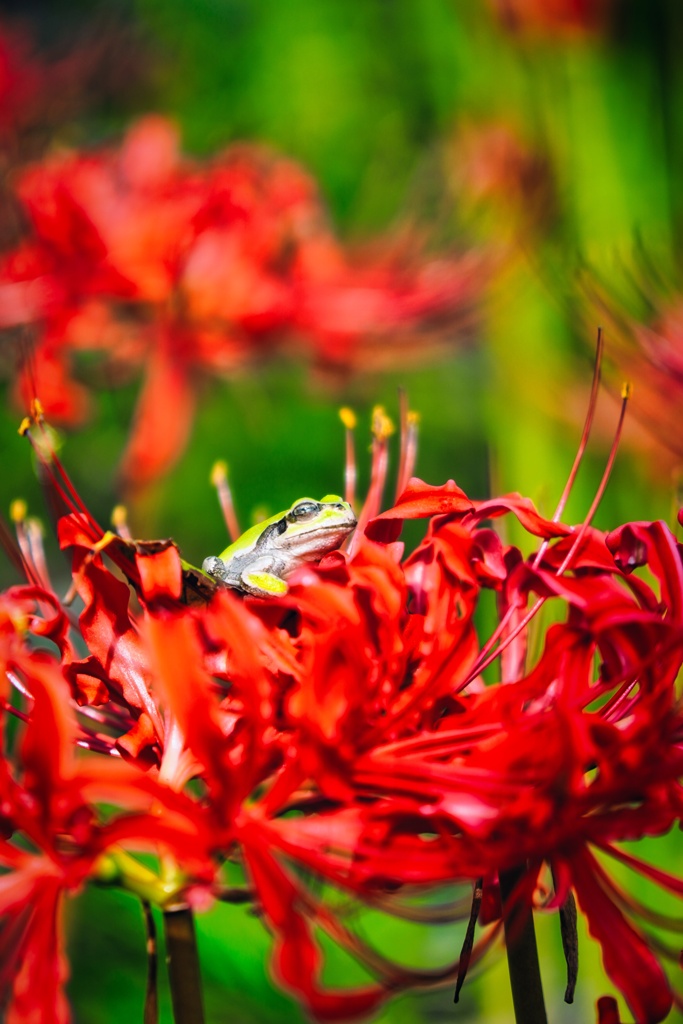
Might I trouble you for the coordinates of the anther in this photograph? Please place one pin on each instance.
(348, 417)
(382, 426)
(18, 510)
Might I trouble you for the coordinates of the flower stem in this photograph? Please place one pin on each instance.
(182, 958)
(151, 1014)
(522, 953)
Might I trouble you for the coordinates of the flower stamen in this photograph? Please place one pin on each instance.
(382, 429)
(219, 479)
(408, 451)
(348, 418)
(523, 623)
(626, 391)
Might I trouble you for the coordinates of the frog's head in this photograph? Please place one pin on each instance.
(309, 529)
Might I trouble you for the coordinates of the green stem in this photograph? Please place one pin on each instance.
(182, 958)
(151, 1014)
(522, 953)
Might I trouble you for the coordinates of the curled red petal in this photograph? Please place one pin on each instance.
(140, 743)
(626, 955)
(160, 573)
(525, 511)
(117, 654)
(636, 544)
(163, 419)
(40, 968)
(418, 501)
(176, 657)
(297, 957)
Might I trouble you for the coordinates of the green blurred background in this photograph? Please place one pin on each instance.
(386, 102)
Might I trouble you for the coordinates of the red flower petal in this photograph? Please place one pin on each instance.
(652, 544)
(36, 969)
(297, 957)
(626, 955)
(418, 501)
(163, 419)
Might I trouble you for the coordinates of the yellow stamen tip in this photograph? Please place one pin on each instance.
(119, 516)
(18, 510)
(219, 472)
(37, 411)
(348, 417)
(626, 389)
(413, 418)
(25, 426)
(382, 426)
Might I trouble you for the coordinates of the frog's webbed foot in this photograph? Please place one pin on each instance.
(262, 584)
(215, 567)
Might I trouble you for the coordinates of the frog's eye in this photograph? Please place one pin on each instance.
(303, 511)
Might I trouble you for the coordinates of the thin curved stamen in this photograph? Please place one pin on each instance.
(481, 665)
(58, 476)
(219, 479)
(408, 449)
(382, 429)
(625, 395)
(20, 551)
(348, 418)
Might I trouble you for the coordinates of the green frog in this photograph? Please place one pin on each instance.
(260, 561)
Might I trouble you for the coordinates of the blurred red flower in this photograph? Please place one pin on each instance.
(183, 269)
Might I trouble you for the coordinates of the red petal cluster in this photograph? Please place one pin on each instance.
(178, 268)
(346, 729)
(52, 833)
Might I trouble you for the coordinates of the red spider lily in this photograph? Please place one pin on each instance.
(395, 754)
(573, 774)
(183, 270)
(344, 731)
(49, 798)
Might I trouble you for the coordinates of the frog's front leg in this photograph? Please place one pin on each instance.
(259, 581)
